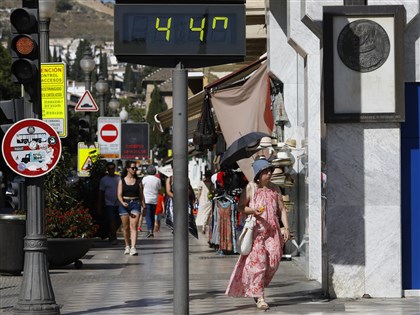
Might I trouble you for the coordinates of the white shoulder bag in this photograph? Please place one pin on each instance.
(245, 240)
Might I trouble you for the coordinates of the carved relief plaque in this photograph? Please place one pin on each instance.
(363, 45)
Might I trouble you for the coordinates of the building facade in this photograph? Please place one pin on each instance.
(353, 235)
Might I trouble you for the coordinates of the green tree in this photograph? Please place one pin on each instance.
(8, 89)
(157, 105)
(103, 65)
(64, 5)
(76, 73)
(129, 80)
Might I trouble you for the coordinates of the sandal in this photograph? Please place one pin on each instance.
(261, 304)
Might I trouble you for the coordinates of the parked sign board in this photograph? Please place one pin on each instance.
(54, 104)
(31, 147)
(135, 141)
(109, 137)
(86, 155)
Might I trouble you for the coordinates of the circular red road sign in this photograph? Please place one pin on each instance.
(109, 133)
(31, 147)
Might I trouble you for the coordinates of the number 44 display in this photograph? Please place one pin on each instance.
(224, 21)
(194, 34)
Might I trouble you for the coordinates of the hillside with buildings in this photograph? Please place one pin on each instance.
(88, 19)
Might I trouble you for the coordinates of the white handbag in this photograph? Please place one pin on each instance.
(245, 239)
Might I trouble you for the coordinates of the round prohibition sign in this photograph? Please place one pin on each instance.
(109, 133)
(31, 147)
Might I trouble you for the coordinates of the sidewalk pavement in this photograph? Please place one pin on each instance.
(112, 283)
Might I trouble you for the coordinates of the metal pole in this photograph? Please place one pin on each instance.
(88, 114)
(101, 104)
(36, 292)
(180, 167)
(44, 40)
(87, 81)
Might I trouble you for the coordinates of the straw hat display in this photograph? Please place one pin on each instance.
(287, 203)
(265, 143)
(291, 143)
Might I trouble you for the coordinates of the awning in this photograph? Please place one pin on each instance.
(195, 102)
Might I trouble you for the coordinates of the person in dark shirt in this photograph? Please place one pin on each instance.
(130, 195)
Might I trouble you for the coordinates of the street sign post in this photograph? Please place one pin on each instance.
(54, 103)
(31, 148)
(135, 141)
(86, 155)
(86, 103)
(109, 137)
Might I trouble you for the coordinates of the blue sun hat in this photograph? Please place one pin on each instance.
(259, 166)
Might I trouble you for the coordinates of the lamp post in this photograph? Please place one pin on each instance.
(101, 88)
(114, 104)
(87, 63)
(36, 293)
(124, 114)
(46, 11)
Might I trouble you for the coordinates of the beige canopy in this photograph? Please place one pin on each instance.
(244, 109)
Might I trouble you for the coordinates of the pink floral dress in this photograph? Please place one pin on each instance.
(254, 272)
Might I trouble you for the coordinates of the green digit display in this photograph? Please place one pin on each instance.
(165, 33)
(166, 29)
(198, 29)
(220, 18)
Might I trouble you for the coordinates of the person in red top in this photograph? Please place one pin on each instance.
(159, 210)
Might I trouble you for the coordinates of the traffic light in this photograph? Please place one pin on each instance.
(11, 111)
(84, 128)
(16, 194)
(25, 50)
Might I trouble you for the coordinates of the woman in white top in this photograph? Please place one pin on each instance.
(204, 202)
(151, 187)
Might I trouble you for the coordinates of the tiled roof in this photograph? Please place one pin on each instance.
(159, 75)
(166, 86)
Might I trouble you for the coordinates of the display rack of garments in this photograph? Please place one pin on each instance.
(223, 234)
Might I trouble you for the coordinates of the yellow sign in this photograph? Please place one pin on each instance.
(86, 155)
(54, 104)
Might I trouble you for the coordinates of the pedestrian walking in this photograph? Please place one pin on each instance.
(151, 187)
(108, 201)
(254, 272)
(159, 209)
(204, 202)
(130, 195)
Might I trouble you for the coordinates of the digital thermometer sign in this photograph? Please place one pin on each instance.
(194, 34)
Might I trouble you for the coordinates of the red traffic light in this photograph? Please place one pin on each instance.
(25, 50)
(24, 45)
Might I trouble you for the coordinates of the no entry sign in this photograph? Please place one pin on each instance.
(31, 147)
(109, 133)
(109, 137)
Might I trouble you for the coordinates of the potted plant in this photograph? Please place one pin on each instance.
(69, 224)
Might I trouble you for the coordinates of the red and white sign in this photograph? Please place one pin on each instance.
(86, 103)
(109, 133)
(109, 137)
(31, 148)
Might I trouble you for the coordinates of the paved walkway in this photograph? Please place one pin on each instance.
(112, 283)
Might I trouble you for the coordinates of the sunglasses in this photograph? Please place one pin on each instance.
(133, 168)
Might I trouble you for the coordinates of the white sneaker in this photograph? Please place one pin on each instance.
(133, 251)
(127, 250)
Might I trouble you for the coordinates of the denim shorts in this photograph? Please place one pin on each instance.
(133, 207)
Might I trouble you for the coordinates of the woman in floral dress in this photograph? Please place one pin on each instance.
(255, 271)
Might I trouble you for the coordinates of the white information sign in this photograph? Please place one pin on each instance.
(109, 137)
